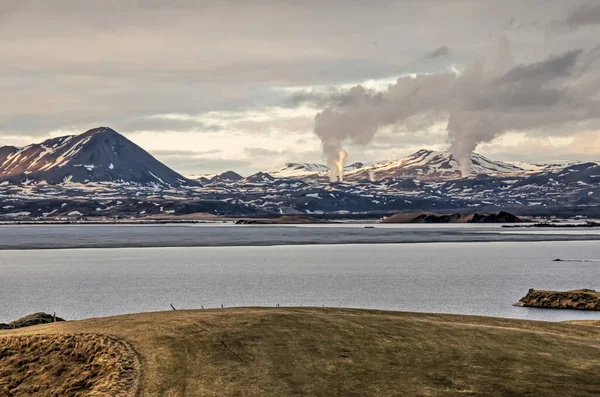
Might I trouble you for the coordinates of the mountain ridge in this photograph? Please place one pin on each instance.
(98, 155)
(424, 163)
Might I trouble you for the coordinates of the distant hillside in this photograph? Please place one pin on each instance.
(425, 164)
(98, 155)
(429, 164)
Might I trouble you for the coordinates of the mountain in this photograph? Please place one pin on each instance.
(143, 187)
(424, 164)
(227, 176)
(298, 170)
(98, 155)
(429, 164)
(260, 177)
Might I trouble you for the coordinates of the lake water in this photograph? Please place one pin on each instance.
(190, 235)
(484, 278)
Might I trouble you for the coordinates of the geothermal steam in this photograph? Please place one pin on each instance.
(487, 98)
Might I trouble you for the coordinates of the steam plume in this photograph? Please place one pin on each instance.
(484, 100)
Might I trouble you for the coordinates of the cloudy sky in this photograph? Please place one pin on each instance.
(207, 86)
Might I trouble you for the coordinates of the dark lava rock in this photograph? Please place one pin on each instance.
(584, 299)
(477, 217)
(493, 217)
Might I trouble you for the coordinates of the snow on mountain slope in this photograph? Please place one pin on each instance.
(422, 164)
(554, 166)
(101, 154)
(430, 164)
(306, 170)
(297, 170)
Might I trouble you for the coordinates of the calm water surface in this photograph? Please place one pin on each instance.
(202, 235)
(467, 278)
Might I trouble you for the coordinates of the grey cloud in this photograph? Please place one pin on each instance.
(552, 68)
(185, 153)
(439, 52)
(264, 158)
(585, 15)
(481, 103)
(158, 124)
(72, 65)
(198, 165)
(260, 152)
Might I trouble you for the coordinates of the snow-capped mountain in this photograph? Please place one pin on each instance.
(425, 164)
(98, 155)
(306, 170)
(429, 164)
(102, 174)
(297, 170)
(260, 177)
(553, 166)
(227, 176)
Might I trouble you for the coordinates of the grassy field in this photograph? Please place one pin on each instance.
(344, 352)
(67, 365)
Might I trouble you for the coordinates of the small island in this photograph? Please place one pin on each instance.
(583, 299)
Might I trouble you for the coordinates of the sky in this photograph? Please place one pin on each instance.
(209, 86)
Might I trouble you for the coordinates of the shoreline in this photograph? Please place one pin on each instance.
(46, 237)
(225, 244)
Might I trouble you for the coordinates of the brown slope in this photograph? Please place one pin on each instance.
(344, 352)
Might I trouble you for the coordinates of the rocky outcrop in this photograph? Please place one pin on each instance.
(30, 320)
(584, 299)
(477, 217)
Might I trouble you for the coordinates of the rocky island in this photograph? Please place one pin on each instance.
(583, 299)
(476, 217)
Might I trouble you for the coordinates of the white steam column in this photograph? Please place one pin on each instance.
(336, 167)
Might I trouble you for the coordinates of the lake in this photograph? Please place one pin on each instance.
(484, 278)
(206, 235)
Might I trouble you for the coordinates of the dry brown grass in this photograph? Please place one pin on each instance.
(66, 365)
(342, 352)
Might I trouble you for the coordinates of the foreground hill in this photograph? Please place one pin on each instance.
(98, 155)
(331, 352)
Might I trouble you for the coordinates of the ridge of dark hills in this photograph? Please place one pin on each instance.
(476, 217)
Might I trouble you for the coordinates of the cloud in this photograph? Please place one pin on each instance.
(185, 153)
(439, 52)
(540, 72)
(260, 152)
(583, 146)
(199, 163)
(70, 65)
(585, 15)
(162, 123)
(483, 101)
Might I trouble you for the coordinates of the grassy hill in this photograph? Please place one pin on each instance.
(329, 352)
